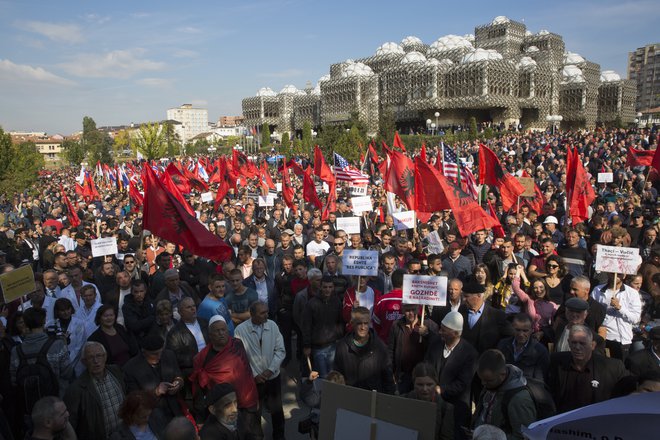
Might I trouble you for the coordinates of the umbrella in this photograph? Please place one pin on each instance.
(632, 417)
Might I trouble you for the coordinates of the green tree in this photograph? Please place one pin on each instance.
(172, 139)
(286, 141)
(96, 144)
(121, 142)
(19, 164)
(473, 129)
(73, 152)
(386, 125)
(150, 141)
(265, 135)
(307, 137)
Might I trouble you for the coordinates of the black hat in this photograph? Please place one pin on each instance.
(577, 304)
(473, 287)
(153, 342)
(637, 213)
(219, 392)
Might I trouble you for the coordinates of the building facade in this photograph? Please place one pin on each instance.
(644, 68)
(502, 73)
(50, 147)
(193, 120)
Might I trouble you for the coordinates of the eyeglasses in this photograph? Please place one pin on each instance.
(337, 244)
(326, 230)
(552, 266)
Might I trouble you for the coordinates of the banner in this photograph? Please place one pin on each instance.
(424, 289)
(350, 225)
(528, 184)
(404, 220)
(617, 259)
(17, 283)
(357, 190)
(104, 246)
(267, 200)
(207, 196)
(361, 204)
(359, 262)
(605, 177)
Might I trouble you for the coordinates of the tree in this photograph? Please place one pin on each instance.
(386, 125)
(96, 144)
(172, 139)
(150, 141)
(19, 164)
(286, 141)
(73, 152)
(121, 142)
(473, 129)
(265, 135)
(307, 137)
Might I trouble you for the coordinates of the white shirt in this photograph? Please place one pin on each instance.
(619, 323)
(262, 289)
(315, 249)
(122, 295)
(197, 333)
(366, 298)
(48, 306)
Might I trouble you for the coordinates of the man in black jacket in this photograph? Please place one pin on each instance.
(483, 325)
(524, 351)
(362, 357)
(139, 312)
(581, 377)
(646, 361)
(222, 422)
(455, 360)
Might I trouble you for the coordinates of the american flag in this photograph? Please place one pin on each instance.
(450, 169)
(345, 174)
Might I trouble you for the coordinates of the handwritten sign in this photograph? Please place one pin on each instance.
(17, 283)
(605, 177)
(350, 225)
(404, 220)
(278, 186)
(361, 204)
(104, 246)
(359, 262)
(424, 289)
(528, 184)
(207, 196)
(357, 190)
(617, 259)
(267, 200)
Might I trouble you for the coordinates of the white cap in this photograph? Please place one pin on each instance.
(216, 318)
(550, 219)
(453, 320)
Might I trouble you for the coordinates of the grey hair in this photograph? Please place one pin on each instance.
(90, 344)
(488, 432)
(579, 328)
(582, 280)
(314, 273)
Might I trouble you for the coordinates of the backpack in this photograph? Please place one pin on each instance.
(35, 379)
(543, 401)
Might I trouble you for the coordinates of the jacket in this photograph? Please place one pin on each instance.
(157, 424)
(99, 336)
(489, 329)
(322, 323)
(214, 430)
(265, 353)
(184, 345)
(395, 342)
(533, 361)
(138, 318)
(250, 282)
(643, 362)
(185, 288)
(84, 404)
(58, 357)
(521, 410)
(367, 367)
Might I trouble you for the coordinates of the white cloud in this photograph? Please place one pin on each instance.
(282, 74)
(184, 53)
(115, 64)
(96, 18)
(199, 102)
(155, 82)
(22, 72)
(63, 33)
(190, 30)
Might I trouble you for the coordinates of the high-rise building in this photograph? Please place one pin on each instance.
(193, 120)
(644, 67)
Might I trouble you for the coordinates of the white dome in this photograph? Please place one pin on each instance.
(266, 91)
(450, 42)
(532, 49)
(389, 48)
(572, 58)
(481, 55)
(413, 57)
(324, 78)
(572, 74)
(433, 62)
(356, 69)
(609, 76)
(317, 90)
(290, 89)
(500, 19)
(526, 63)
(528, 33)
(446, 62)
(410, 40)
(469, 37)
(543, 32)
(301, 92)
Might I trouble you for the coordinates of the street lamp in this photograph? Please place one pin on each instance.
(433, 125)
(428, 125)
(437, 115)
(554, 120)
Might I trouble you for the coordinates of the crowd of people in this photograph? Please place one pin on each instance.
(154, 342)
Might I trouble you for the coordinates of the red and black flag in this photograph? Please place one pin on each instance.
(400, 178)
(491, 173)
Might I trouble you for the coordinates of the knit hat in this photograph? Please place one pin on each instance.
(216, 318)
(153, 342)
(221, 394)
(453, 320)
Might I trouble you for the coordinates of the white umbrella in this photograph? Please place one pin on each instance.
(627, 418)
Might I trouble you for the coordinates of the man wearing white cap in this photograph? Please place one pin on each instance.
(550, 223)
(455, 361)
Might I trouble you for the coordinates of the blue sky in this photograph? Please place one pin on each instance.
(129, 61)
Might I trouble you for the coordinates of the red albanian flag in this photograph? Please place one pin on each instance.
(400, 179)
(492, 173)
(582, 195)
(73, 217)
(639, 158)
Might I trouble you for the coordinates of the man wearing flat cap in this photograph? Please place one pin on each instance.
(175, 290)
(483, 325)
(222, 422)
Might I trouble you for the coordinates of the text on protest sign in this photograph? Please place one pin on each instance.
(207, 197)
(17, 283)
(425, 289)
(605, 177)
(361, 204)
(358, 262)
(357, 190)
(617, 259)
(267, 200)
(528, 184)
(104, 246)
(404, 220)
(350, 225)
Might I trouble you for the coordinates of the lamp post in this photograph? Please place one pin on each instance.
(428, 125)
(638, 121)
(437, 115)
(433, 125)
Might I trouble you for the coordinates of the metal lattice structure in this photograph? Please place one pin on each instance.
(502, 73)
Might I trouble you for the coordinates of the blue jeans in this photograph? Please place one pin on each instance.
(324, 359)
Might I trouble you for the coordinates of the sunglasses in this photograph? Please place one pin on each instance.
(553, 266)
(337, 244)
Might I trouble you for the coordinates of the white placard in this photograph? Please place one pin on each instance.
(357, 190)
(605, 177)
(267, 200)
(104, 246)
(278, 186)
(207, 197)
(361, 204)
(404, 220)
(350, 225)
(424, 289)
(359, 262)
(617, 259)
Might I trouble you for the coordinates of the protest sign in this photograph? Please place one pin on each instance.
(361, 204)
(425, 289)
(350, 225)
(104, 246)
(528, 184)
(605, 177)
(267, 200)
(357, 190)
(359, 262)
(17, 283)
(207, 197)
(278, 186)
(617, 259)
(404, 220)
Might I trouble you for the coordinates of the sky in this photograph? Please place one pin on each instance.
(127, 61)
